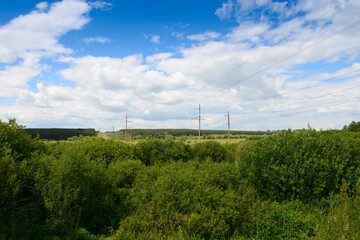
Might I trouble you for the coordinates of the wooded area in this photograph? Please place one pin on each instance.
(59, 133)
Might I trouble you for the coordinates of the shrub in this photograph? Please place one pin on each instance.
(153, 151)
(206, 200)
(76, 192)
(301, 164)
(209, 150)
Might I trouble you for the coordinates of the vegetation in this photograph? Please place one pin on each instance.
(205, 134)
(59, 133)
(302, 184)
(353, 127)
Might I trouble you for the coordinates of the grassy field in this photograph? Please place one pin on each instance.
(221, 138)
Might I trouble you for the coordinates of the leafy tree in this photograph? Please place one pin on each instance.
(13, 137)
(21, 211)
(353, 127)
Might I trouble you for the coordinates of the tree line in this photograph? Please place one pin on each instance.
(59, 133)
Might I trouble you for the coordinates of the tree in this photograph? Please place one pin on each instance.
(21, 207)
(353, 127)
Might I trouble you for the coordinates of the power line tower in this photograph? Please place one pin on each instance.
(199, 118)
(126, 127)
(228, 122)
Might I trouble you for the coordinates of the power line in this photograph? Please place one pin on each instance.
(319, 83)
(290, 56)
(302, 111)
(267, 49)
(305, 100)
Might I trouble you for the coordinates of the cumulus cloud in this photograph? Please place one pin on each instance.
(15, 78)
(31, 37)
(42, 30)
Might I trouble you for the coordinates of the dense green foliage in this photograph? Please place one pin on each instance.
(353, 127)
(301, 164)
(153, 151)
(301, 184)
(59, 133)
(20, 204)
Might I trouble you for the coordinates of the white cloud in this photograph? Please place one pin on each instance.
(225, 11)
(236, 8)
(42, 6)
(14, 78)
(204, 36)
(96, 40)
(31, 37)
(100, 5)
(158, 57)
(248, 32)
(153, 38)
(42, 30)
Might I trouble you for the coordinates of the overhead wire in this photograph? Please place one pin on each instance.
(269, 48)
(290, 56)
(304, 100)
(301, 111)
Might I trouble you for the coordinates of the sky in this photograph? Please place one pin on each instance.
(271, 64)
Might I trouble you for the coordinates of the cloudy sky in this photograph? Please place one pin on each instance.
(271, 64)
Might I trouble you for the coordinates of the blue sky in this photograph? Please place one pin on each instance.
(272, 64)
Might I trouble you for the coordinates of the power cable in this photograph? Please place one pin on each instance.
(267, 49)
(288, 57)
(303, 111)
(305, 100)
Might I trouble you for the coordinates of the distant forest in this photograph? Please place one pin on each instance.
(59, 133)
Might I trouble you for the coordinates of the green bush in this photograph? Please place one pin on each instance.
(96, 149)
(301, 164)
(342, 220)
(76, 191)
(153, 151)
(204, 200)
(210, 150)
(286, 220)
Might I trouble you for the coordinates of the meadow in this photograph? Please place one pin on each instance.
(302, 184)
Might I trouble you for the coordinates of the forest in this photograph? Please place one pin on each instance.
(302, 184)
(59, 133)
